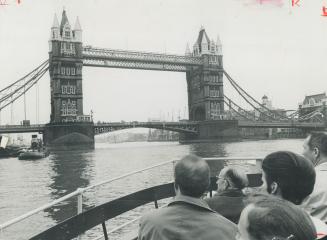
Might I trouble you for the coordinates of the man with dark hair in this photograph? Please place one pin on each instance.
(229, 198)
(291, 177)
(187, 216)
(288, 175)
(272, 218)
(315, 149)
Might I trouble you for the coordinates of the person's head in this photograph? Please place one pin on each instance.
(288, 175)
(232, 178)
(192, 176)
(315, 147)
(267, 217)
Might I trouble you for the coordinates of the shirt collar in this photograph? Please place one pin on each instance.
(191, 200)
(322, 166)
(231, 193)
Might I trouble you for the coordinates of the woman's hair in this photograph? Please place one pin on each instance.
(274, 218)
(294, 174)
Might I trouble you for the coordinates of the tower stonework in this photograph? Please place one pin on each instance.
(206, 93)
(205, 83)
(65, 67)
(68, 125)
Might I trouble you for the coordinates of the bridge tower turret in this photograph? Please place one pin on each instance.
(68, 126)
(65, 60)
(205, 83)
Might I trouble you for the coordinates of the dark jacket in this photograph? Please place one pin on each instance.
(228, 203)
(186, 218)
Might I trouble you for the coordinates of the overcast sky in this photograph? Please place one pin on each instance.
(270, 48)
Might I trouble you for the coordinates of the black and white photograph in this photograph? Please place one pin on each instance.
(163, 119)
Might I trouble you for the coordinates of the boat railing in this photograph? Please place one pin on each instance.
(80, 191)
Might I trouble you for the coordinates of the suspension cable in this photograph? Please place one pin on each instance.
(259, 110)
(12, 92)
(294, 114)
(19, 80)
(237, 112)
(239, 87)
(236, 86)
(310, 115)
(18, 93)
(37, 72)
(239, 107)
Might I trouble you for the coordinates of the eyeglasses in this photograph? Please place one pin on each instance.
(222, 178)
(290, 237)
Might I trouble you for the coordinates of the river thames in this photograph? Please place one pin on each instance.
(26, 185)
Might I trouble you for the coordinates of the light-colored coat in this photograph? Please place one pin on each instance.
(316, 203)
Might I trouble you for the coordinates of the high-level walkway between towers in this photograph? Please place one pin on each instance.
(112, 58)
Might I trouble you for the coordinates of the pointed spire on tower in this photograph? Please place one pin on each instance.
(77, 25)
(203, 37)
(54, 34)
(55, 22)
(64, 20)
(219, 46)
(77, 32)
(218, 40)
(188, 50)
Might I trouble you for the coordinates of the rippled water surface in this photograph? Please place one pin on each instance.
(26, 185)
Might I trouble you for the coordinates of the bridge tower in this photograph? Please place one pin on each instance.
(65, 55)
(206, 93)
(205, 83)
(67, 122)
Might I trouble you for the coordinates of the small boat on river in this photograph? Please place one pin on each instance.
(32, 155)
(36, 151)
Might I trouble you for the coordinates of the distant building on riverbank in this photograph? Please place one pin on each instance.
(159, 135)
(312, 103)
(267, 110)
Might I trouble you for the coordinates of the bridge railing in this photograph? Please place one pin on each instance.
(188, 127)
(144, 123)
(22, 126)
(90, 52)
(80, 191)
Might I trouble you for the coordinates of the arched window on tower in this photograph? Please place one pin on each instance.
(64, 89)
(214, 110)
(73, 48)
(63, 108)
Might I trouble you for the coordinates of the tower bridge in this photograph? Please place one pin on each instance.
(203, 67)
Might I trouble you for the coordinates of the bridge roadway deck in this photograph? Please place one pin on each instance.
(281, 124)
(22, 128)
(187, 126)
